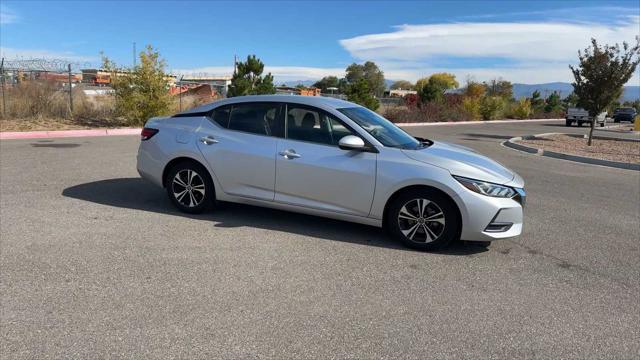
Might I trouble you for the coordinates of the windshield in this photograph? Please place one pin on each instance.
(380, 128)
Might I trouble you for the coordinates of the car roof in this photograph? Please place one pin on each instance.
(319, 101)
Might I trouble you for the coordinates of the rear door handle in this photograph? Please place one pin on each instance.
(289, 154)
(208, 140)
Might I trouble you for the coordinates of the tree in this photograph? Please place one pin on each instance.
(371, 73)
(553, 103)
(327, 82)
(436, 86)
(143, 91)
(445, 78)
(601, 74)
(248, 79)
(537, 102)
(570, 101)
(501, 88)
(474, 89)
(402, 84)
(359, 93)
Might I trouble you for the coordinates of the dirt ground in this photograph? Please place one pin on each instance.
(37, 124)
(612, 150)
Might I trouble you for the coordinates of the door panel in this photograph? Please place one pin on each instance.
(243, 163)
(325, 177)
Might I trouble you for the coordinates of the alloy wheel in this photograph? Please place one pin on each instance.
(188, 188)
(421, 220)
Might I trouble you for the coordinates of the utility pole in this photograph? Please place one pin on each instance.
(4, 103)
(134, 54)
(235, 64)
(70, 90)
(180, 87)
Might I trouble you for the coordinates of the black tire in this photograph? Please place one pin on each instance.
(426, 230)
(579, 123)
(198, 195)
(567, 123)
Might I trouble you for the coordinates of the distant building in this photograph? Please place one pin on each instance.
(220, 84)
(304, 91)
(102, 77)
(401, 92)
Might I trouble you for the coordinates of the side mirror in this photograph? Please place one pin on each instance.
(351, 142)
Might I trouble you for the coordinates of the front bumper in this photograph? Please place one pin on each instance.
(486, 218)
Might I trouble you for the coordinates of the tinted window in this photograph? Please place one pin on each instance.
(257, 118)
(310, 124)
(380, 128)
(221, 115)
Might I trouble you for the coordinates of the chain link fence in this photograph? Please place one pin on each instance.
(39, 87)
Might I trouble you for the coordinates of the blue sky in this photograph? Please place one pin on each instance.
(530, 42)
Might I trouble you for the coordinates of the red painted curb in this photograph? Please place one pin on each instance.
(6, 135)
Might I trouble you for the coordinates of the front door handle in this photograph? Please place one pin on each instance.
(208, 140)
(289, 154)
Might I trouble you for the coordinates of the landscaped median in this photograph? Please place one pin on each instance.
(606, 151)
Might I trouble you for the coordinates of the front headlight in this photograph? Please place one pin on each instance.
(486, 188)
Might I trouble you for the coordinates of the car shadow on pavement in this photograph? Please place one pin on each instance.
(135, 193)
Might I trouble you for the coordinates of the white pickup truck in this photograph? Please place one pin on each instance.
(581, 116)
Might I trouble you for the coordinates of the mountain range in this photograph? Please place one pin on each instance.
(630, 93)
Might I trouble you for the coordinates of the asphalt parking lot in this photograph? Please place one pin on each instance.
(96, 263)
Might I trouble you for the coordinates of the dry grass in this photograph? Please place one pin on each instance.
(604, 149)
(41, 105)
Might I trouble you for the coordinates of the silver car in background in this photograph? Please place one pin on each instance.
(331, 158)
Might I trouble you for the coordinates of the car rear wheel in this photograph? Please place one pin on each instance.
(567, 123)
(190, 188)
(423, 219)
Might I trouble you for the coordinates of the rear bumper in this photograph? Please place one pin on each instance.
(149, 167)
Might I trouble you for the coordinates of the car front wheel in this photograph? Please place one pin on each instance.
(190, 188)
(423, 220)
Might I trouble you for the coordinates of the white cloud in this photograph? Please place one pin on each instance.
(533, 52)
(7, 16)
(280, 73)
(16, 54)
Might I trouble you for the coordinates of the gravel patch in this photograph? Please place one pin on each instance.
(609, 149)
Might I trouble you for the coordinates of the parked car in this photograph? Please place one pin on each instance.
(332, 158)
(581, 116)
(624, 114)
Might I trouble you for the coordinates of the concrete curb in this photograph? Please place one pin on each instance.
(479, 122)
(6, 135)
(511, 143)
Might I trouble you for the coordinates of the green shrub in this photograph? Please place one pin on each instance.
(491, 107)
(141, 93)
(522, 109)
(471, 106)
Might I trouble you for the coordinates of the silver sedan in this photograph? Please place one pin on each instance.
(331, 158)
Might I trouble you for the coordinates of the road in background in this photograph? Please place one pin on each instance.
(97, 263)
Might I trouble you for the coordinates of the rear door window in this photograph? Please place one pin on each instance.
(257, 118)
(221, 115)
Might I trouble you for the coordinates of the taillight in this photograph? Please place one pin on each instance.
(147, 133)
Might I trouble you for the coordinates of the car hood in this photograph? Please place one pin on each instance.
(465, 162)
